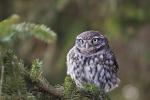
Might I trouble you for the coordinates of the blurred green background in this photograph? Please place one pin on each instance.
(126, 23)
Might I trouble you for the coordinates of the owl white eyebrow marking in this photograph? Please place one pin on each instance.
(101, 36)
(79, 38)
(95, 37)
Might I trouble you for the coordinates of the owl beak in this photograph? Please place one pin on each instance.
(86, 45)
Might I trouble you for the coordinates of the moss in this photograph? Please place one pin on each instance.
(70, 90)
(94, 92)
(92, 89)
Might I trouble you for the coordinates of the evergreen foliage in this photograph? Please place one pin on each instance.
(10, 30)
(6, 26)
(14, 85)
(19, 83)
(39, 31)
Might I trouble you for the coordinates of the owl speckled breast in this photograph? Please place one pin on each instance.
(91, 69)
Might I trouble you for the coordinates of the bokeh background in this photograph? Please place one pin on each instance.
(126, 23)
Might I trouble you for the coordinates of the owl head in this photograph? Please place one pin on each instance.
(91, 42)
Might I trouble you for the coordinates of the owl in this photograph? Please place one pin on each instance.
(92, 61)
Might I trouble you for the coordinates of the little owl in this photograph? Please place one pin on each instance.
(91, 61)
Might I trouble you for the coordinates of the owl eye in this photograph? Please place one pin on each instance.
(80, 41)
(95, 40)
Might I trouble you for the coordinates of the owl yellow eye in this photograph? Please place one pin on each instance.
(95, 40)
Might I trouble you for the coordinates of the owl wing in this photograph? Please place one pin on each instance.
(69, 62)
(110, 60)
(112, 67)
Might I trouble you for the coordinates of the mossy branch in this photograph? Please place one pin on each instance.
(90, 91)
(22, 83)
(36, 77)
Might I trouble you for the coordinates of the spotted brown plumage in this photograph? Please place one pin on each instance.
(91, 60)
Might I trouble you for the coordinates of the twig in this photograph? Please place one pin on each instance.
(44, 85)
(56, 91)
(1, 81)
